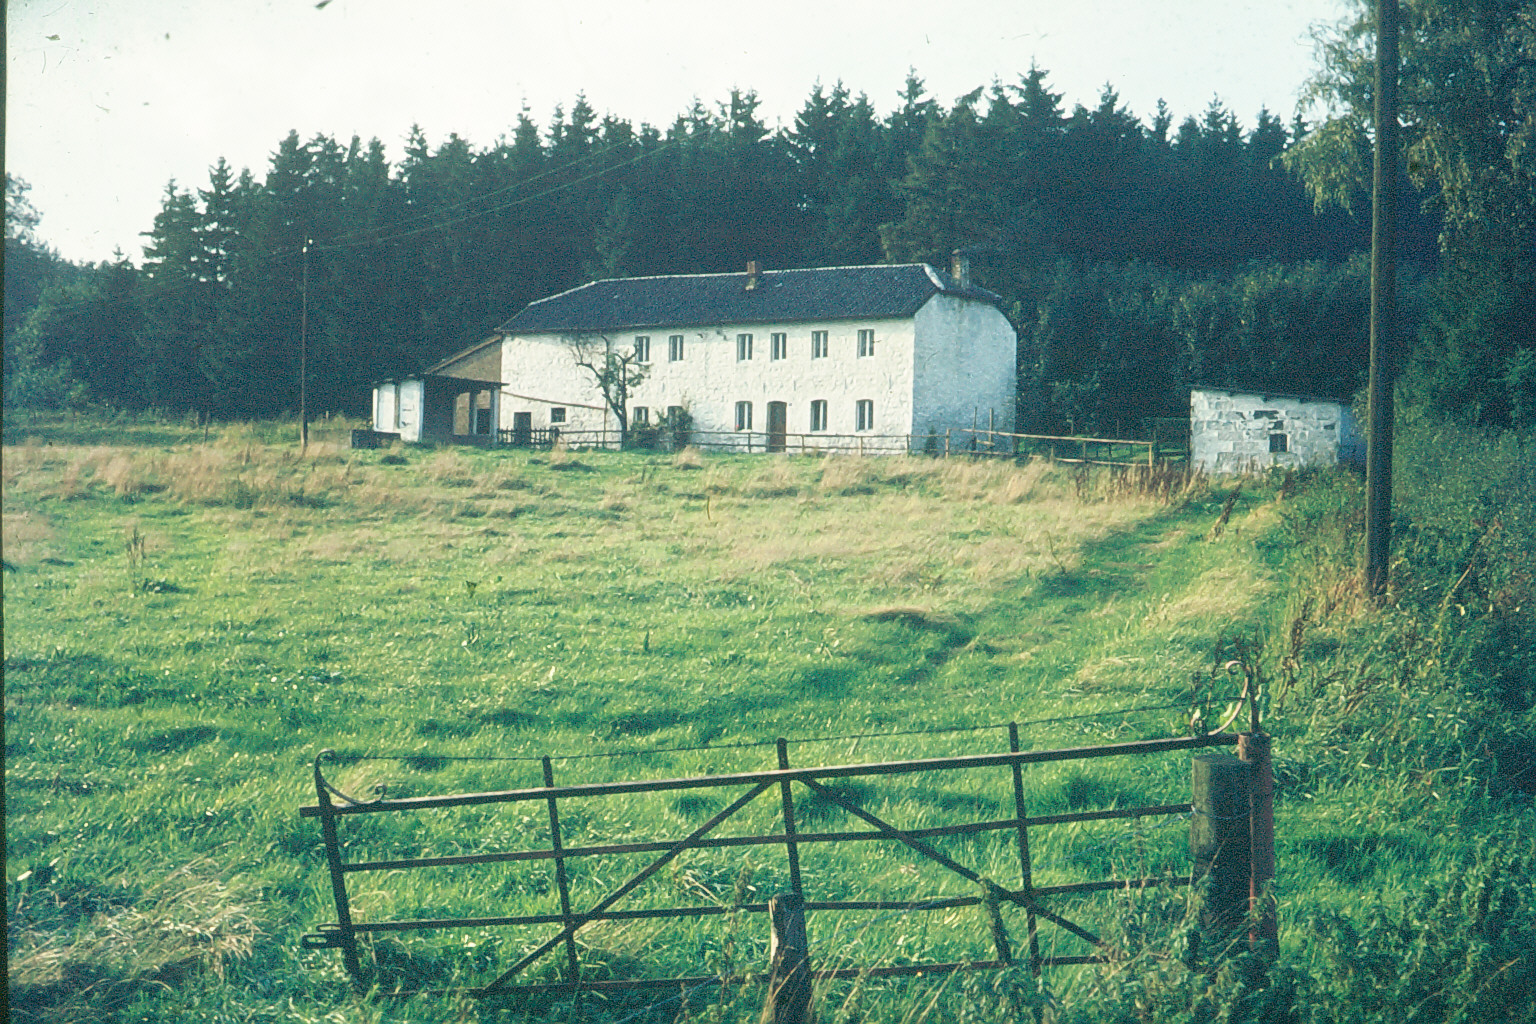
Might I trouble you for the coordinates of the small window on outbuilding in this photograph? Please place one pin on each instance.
(1278, 443)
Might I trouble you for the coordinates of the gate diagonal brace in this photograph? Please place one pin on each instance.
(581, 920)
(1019, 898)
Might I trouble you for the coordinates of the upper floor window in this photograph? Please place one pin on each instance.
(675, 348)
(743, 347)
(865, 414)
(779, 346)
(643, 348)
(818, 414)
(866, 343)
(818, 344)
(744, 414)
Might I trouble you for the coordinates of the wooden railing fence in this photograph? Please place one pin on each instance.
(1100, 451)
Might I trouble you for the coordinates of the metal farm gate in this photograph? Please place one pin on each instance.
(1040, 904)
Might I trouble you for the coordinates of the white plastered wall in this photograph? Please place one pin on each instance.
(709, 380)
(412, 400)
(965, 367)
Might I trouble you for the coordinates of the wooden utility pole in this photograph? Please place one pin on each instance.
(304, 352)
(1378, 451)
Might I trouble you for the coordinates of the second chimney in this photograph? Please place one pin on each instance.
(960, 269)
(754, 274)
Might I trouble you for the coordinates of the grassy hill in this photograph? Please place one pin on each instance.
(191, 615)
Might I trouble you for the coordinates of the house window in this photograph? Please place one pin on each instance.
(675, 348)
(642, 348)
(866, 343)
(818, 344)
(865, 414)
(640, 415)
(779, 347)
(1277, 443)
(557, 414)
(744, 414)
(743, 347)
(818, 414)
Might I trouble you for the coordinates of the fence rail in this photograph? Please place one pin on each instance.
(955, 441)
(334, 808)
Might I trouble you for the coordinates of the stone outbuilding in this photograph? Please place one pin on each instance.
(1239, 431)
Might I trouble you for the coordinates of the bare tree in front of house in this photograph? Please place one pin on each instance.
(617, 373)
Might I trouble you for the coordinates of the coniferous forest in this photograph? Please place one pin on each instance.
(1136, 254)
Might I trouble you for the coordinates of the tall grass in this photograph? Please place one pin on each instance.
(164, 697)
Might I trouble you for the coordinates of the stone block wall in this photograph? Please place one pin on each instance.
(1243, 432)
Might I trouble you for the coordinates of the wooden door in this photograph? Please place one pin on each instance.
(778, 426)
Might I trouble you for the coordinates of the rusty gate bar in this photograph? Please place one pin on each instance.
(345, 936)
(629, 886)
(953, 865)
(748, 778)
(1026, 872)
(935, 903)
(787, 798)
(572, 962)
(770, 839)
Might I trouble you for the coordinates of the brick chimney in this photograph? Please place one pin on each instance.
(754, 274)
(960, 269)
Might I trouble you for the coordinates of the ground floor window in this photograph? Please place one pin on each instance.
(557, 414)
(641, 414)
(819, 414)
(865, 414)
(743, 415)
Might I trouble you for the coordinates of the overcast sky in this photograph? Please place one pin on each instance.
(108, 100)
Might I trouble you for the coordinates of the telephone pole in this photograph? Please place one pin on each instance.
(304, 352)
(1378, 450)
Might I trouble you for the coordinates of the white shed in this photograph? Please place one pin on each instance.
(1237, 431)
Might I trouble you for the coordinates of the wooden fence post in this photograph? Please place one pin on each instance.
(1253, 748)
(789, 983)
(1219, 845)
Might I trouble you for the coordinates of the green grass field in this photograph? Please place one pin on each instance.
(191, 616)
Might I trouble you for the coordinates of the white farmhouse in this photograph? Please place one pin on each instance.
(875, 350)
(1236, 431)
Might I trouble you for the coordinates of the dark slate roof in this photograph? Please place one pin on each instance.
(781, 296)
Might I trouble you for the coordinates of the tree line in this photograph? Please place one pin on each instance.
(1135, 257)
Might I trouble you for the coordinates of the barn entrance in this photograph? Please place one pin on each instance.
(778, 426)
